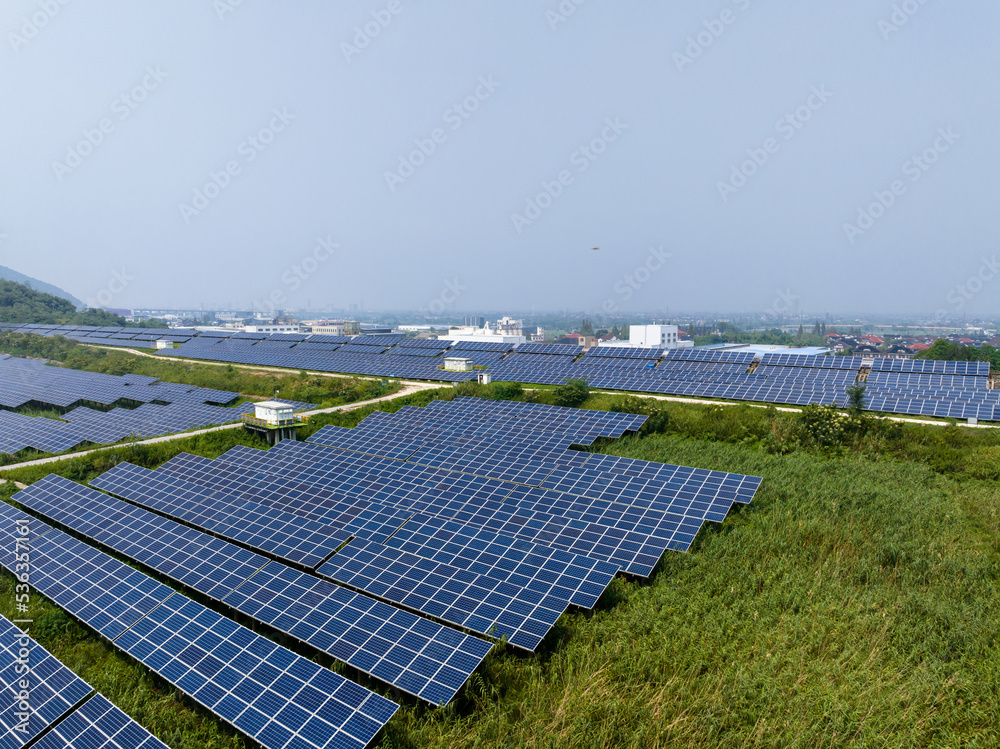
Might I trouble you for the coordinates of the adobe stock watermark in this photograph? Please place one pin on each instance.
(785, 302)
(249, 149)
(630, 283)
(454, 117)
(297, 274)
(562, 13)
(22, 602)
(581, 158)
(787, 127)
(224, 7)
(31, 26)
(963, 293)
(901, 15)
(914, 168)
(119, 281)
(450, 293)
(706, 37)
(122, 107)
(363, 35)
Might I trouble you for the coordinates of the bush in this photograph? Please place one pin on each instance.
(573, 393)
(495, 391)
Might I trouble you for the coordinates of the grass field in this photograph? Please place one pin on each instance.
(853, 603)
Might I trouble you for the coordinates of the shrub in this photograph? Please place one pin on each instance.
(573, 393)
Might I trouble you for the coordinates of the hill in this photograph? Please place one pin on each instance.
(8, 274)
(22, 304)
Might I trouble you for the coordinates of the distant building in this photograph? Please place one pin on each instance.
(458, 364)
(271, 328)
(505, 330)
(577, 339)
(332, 327)
(651, 336)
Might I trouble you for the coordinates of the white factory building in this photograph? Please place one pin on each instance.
(651, 336)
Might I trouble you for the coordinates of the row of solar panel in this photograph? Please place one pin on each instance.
(418, 656)
(58, 710)
(276, 697)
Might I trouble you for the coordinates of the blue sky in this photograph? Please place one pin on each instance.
(722, 155)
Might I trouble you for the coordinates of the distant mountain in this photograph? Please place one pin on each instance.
(8, 274)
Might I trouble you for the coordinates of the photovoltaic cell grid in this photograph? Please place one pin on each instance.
(578, 580)
(827, 362)
(980, 369)
(357, 516)
(525, 609)
(97, 724)
(736, 357)
(276, 697)
(478, 603)
(166, 407)
(54, 689)
(414, 654)
(615, 496)
(635, 543)
(202, 562)
(285, 536)
(558, 349)
(331, 619)
(623, 352)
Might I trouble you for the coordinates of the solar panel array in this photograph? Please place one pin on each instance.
(413, 654)
(601, 523)
(679, 372)
(279, 699)
(97, 724)
(53, 709)
(625, 352)
(166, 407)
(550, 349)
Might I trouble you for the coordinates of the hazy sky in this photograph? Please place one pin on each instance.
(468, 155)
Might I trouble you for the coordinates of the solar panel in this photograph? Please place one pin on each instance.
(283, 535)
(557, 349)
(576, 579)
(267, 692)
(260, 688)
(416, 655)
(331, 619)
(97, 724)
(475, 602)
(53, 689)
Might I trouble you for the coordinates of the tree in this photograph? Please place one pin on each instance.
(615, 332)
(572, 393)
(822, 329)
(586, 327)
(816, 329)
(802, 331)
(856, 397)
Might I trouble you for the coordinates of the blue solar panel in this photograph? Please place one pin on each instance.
(331, 619)
(267, 692)
(475, 602)
(53, 690)
(283, 535)
(97, 724)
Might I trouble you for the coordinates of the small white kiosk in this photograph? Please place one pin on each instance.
(274, 419)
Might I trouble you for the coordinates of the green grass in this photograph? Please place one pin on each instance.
(853, 603)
